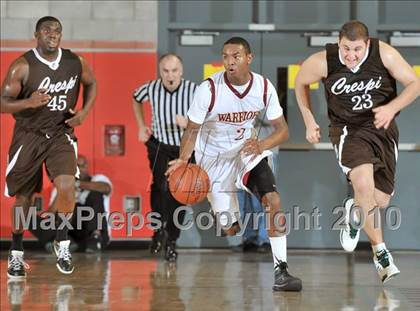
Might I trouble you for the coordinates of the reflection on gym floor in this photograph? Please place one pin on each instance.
(216, 280)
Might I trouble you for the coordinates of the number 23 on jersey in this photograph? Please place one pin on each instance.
(362, 102)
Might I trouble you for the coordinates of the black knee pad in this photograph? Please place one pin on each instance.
(261, 179)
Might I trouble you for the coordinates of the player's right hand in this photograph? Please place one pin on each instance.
(144, 134)
(313, 133)
(173, 165)
(38, 98)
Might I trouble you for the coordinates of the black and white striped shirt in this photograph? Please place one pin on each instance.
(165, 106)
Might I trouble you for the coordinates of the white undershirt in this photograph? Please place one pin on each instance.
(52, 64)
(241, 88)
(355, 69)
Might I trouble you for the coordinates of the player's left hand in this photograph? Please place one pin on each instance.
(76, 119)
(252, 147)
(383, 116)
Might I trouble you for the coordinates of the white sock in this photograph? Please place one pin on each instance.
(378, 247)
(279, 249)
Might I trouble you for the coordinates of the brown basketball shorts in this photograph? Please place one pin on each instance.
(27, 154)
(356, 146)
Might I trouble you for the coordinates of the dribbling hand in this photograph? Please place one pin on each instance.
(173, 165)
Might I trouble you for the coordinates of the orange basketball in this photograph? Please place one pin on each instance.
(189, 184)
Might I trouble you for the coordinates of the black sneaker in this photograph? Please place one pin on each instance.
(16, 265)
(94, 243)
(246, 247)
(264, 248)
(250, 247)
(170, 253)
(64, 260)
(49, 246)
(157, 242)
(283, 281)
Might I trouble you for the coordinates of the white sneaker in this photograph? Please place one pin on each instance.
(349, 236)
(385, 266)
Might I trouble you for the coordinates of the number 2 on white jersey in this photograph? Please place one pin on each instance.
(241, 133)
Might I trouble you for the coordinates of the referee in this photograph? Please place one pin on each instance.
(170, 97)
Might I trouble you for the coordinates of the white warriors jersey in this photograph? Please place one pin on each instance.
(228, 112)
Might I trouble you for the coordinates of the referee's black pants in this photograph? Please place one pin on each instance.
(161, 200)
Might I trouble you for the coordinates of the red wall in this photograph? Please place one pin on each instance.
(117, 74)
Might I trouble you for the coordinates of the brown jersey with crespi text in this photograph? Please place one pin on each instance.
(351, 96)
(61, 79)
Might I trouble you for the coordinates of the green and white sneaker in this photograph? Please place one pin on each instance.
(385, 266)
(349, 236)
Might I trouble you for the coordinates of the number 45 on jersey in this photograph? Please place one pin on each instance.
(58, 103)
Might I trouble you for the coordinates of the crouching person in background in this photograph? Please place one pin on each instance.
(87, 233)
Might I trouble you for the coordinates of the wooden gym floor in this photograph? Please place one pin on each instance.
(210, 280)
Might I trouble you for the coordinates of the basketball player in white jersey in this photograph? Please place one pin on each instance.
(222, 116)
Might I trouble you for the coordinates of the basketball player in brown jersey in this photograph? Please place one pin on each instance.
(359, 75)
(41, 90)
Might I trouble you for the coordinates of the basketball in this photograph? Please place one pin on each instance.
(189, 184)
